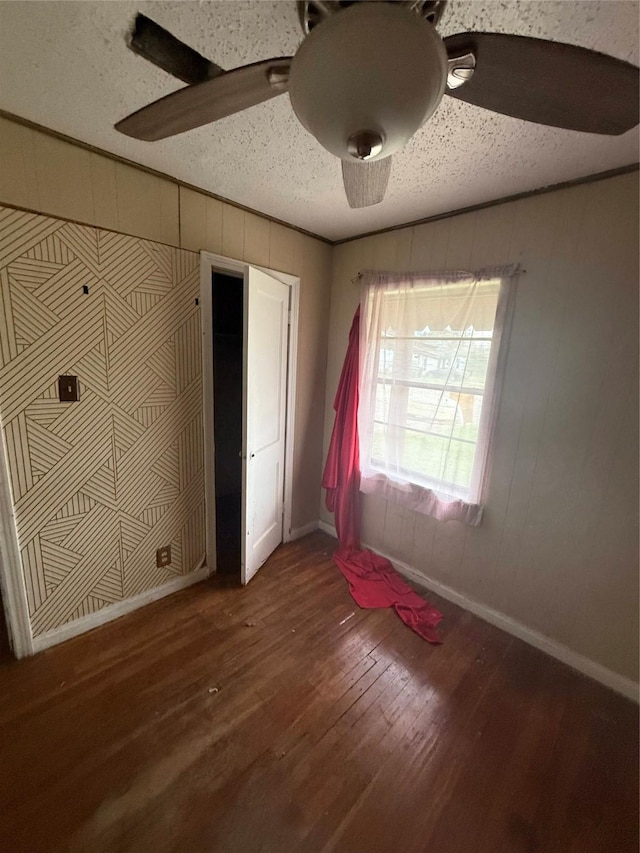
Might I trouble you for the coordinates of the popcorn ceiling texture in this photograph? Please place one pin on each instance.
(65, 65)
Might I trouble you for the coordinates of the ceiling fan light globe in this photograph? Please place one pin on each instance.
(374, 66)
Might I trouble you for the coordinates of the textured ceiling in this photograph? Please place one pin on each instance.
(65, 65)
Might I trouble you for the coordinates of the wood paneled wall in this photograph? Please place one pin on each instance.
(57, 178)
(558, 547)
(49, 175)
(52, 176)
(206, 223)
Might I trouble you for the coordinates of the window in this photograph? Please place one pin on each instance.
(429, 357)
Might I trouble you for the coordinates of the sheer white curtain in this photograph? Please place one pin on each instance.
(430, 369)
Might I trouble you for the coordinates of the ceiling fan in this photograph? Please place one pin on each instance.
(368, 74)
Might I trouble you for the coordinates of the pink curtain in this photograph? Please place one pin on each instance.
(341, 476)
(373, 581)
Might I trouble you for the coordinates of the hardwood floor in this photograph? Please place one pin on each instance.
(282, 718)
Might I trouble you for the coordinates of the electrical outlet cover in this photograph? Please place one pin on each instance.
(163, 556)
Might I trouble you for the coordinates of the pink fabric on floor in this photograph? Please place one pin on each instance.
(373, 582)
(372, 579)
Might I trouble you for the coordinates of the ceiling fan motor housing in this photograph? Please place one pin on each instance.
(373, 68)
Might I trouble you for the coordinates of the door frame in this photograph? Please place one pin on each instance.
(14, 591)
(210, 263)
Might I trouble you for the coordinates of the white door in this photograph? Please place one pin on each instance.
(264, 417)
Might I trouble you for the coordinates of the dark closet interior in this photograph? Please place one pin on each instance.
(228, 314)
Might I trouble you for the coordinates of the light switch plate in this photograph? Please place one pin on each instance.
(68, 389)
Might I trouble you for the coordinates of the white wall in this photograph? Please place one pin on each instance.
(558, 548)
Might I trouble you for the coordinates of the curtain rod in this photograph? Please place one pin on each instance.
(358, 276)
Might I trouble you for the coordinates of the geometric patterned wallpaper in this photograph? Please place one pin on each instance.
(98, 485)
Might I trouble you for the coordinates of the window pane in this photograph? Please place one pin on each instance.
(468, 410)
(462, 362)
(434, 346)
(377, 445)
(383, 396)
(433, 411)
(459, 465)
(477, 365)
(441, 362)
(426, 457)
(425, 454)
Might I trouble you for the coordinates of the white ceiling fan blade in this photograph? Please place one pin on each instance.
(365, 183)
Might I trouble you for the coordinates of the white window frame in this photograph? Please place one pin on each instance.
(418, 490)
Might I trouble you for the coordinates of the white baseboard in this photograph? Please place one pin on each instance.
(299, 532)
(328, 528)
(574, 659)
(114, 611)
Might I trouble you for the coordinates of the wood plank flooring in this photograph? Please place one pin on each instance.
(282, 718)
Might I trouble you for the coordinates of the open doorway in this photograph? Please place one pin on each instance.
(228, 347)
(249, 327)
